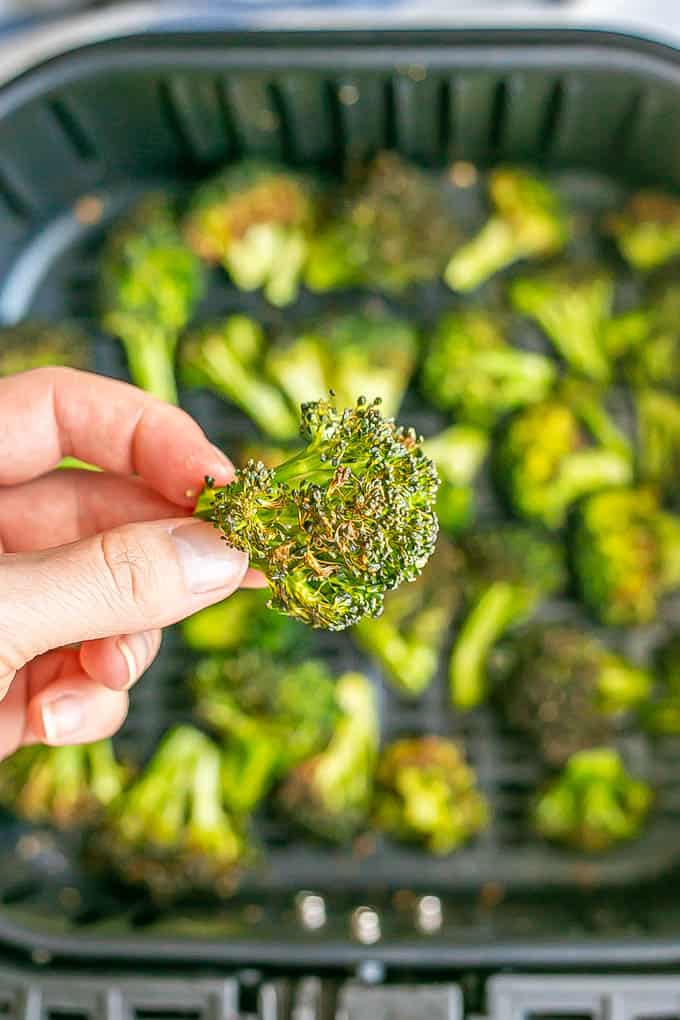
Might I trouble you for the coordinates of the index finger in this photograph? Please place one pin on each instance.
(52, 413)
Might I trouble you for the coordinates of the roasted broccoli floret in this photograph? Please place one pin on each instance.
(509, 570)
(391, 229)
(647, 229)
(345, 520)
(528, 221)
(34, 344)
(471, 370)
(255, 219)
(426, 793)
(243, 620)
(170, 832)
(661, 714)
(369, 352)
(625, 553)
(330, 794)
(226, 357)
(658, 434)
(66, 786)
(458, 454)
(566, 690)
(593, 804)
(651, 355)
(150, 283)
(572, 305)
(407, 638)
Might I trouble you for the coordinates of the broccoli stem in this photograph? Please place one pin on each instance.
(150, 355)
(494, 248)
(668, 530)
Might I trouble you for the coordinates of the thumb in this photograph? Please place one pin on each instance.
(132, 579)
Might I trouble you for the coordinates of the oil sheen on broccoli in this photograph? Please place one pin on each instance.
(647, 229)
(32, 344)
(342, 522)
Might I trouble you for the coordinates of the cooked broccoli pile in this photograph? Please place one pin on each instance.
(593, 804)
(661, 713)
(625, 553)
(33, 344)
(458, 453)
(150, 284)
(509, 569)
(388, 230)
(342, 522)
(472, 371)
(566, 690)
(255, 219)
(527, 222)
(647, 229)
(244, 621)
(330, 793)
(407, 639)
(65, 786)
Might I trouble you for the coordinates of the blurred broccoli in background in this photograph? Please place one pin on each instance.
(243, 620)
(572, 305)
(255, 219)
(226, 357)
(150, 284)
(458, 453)
(625, 553)
(408, 637)
(170, 832)
(647, 229)
(566, 690)
(65, 786)
(32, 344)
(508, 571)
(661, 713)
(472, 371)
(527, 221)
(593, 804)
(261, 451)
(658, 435)
(391, 228)
(330, 794)
(427, 794)
(649, 337)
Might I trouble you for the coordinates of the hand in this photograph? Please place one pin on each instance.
(92, 565)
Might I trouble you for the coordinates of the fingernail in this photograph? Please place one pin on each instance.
(207, 563)
(62, 718)
(135, 651)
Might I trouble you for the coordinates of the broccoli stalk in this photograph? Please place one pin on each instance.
(509, 571)
(528, 221)
(330, 794)
(593, 804)
(427, 794)
(28, 345)
(345, 520)
(458, 454)
(647, 229)
(241, 621)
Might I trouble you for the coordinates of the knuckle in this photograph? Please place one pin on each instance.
(128, 567)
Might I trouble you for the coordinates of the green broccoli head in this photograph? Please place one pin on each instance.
(65, 786)
(572, 305)
(339, 524)
(527, 221)
(408, 637)
(427, 794)
(458, 453)
(244, 620)
(390, 230)
(472, 371)
(565, 690)
(150, 284)
(625, 555)
(593, 804)
(647, 229)
(509, 570)
(661, 714)
(255, 219)
(32, 344)
(330, 794)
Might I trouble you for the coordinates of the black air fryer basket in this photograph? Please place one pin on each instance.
(116, 103)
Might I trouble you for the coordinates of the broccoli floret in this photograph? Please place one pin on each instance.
(651, 353)
(647, 229)
(427, 794)
(243, 620)
(33, 344)
(625, 555)
(566, 690)
(593, 804)
(458, 454)
(509, 570)
(226, 357)
(472, 371)
(528, 221)
(658, 434)
(330, 794)
(661, 714)
(572, 305)
(408, 637)
(150, 283)
(255, 219)
(339, 524)
(390, 230)
(66, 786)
(170, 832)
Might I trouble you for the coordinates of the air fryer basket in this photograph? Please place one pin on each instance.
(84, 133)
